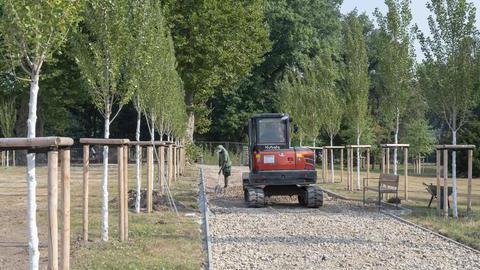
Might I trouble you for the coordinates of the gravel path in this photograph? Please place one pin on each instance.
(341, 235)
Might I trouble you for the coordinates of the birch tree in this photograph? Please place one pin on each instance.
(356, 80)
(100, 50)
(32, 31)
(450, 67)
(395, 66)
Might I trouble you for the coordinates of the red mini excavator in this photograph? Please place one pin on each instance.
(275, 167)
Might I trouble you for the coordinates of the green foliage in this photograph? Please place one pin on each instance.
(151, 70)
(299, 31)
(8, 105)
(216, 44)
(420, 136)
(356, 80)
(450, 71)
(33, 30)
(8, 116)
(193, 151)
(100, 50)
(312, 98)
(394, 71)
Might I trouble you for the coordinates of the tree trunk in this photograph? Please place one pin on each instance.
(104, 232)
(331, 159)
(8, 158)
(191, 116)
(137, 163)
(454, 173)
(31, 175)
(358, 160)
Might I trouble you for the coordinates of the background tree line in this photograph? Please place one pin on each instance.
(236, 58)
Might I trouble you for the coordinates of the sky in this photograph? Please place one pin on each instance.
(419, 11)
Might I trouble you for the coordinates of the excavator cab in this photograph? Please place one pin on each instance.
(275, 167)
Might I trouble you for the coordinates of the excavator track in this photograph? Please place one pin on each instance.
(254, 197)
(312, 197)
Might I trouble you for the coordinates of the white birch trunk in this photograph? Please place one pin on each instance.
(138, 163)
(454, 174)
(8, 159)
(104, 230)
(358, 160)
(331, 160)
(33, 252)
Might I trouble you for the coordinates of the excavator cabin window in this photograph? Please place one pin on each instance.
(272, 131)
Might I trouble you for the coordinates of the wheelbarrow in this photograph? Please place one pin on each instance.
(432, 189)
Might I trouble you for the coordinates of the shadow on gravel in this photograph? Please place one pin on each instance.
(232, 200)
(293, 240)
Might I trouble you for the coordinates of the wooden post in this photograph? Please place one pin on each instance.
(388, 160)
(86, 162)
(439, 161)
(182, 159)
(161, 168)
(52, 210)
(348, 169)
(469, 183)
(368, 164)
(383, 160)
(121, 201)
(149, 178)
(326, 165)
(174, 159)
(323, 165)
(125, 191)
(445, 184)
(352, 166)
(170, 165)
(66, 209)
(405, 164)
(341, 165)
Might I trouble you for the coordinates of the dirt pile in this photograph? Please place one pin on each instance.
(160, 201)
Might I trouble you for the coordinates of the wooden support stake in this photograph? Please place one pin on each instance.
(174, 157)
(121, 201)
(388, 160)
(86, 162)
(323, 165)
(368, 164)
(170, 165)
(161, 168)
(445, 183)
(469, 184)
(383, 160)
(125, 191)
(66, 209)
(439, 162)
(341, 165)
(52, 210)
(348, 168)
(326, 165)
(405, 172)
(149, 178)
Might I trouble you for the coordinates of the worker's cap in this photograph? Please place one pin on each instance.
(220, 148)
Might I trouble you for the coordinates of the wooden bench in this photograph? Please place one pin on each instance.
(387, 183)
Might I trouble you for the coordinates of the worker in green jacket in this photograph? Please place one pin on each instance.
(224, 163)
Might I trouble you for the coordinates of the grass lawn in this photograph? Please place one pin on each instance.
(161, 240)
(465, 229)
